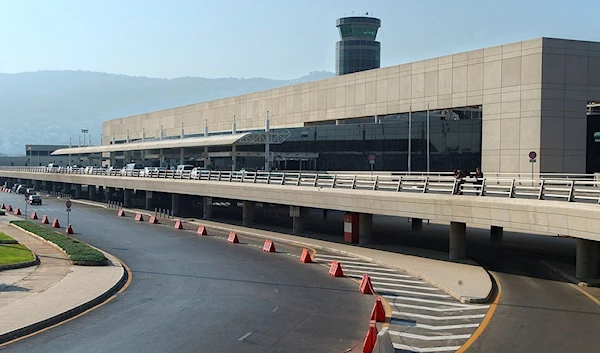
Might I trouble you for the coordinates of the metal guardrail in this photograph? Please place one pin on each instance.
(564, 189)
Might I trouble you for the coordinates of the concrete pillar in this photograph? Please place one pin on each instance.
(108, 194)
(248, 213)
(416, 224)
(208, 207)
(175, 204)
(458, 240)
(298, 215)
(92, 192)
(365, 228)
(46, 185)
(181, 155)
(38, 185)
(587, 259)
(127, 197)
(66, 188)
(149, 200)
(77, 191)
(496, 234)
(56, 186)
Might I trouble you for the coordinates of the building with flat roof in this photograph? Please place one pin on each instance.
(488, 107)
(38, 155)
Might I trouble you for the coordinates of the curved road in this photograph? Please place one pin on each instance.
(201, 294)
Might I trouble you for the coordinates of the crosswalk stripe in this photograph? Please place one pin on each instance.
(430, 301)
(428, 338)
(360, 272)
(394, 290)
(387, 279)
(445, 327)
(382, 283)
(425, 350)
(429, 308)
(355, 267)
(439, 318)
(336, 257)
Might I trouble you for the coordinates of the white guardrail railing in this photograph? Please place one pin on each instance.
(574, 189)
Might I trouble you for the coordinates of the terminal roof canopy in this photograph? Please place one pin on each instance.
(245, 138)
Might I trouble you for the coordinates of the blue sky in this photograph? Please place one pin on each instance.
(278, 39)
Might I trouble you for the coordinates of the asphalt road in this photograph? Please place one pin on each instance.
(201, 294)
(538, 311)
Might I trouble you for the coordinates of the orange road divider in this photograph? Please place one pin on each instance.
(45, 220)
(201, 230)
(121, 213)
(305, 257)
(18, 211)
(69, 229)
(55, 223)
(365, 285)
(378, 312)
(178, 224)
(139, 217)
(3, 206)
(336, 269)
(371, 338)
(9, 208)
(233, 238)
(34, 215)
(269, 246)
(153, 220)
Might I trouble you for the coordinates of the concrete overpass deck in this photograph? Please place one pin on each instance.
(561, 207)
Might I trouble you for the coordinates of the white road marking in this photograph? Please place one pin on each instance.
(429, 308)
(244, 336)
(439, 318)
(394, 290)
(275, 309)
(425, 350)
(445, 327)
(365, 264)
(387, 279)
(459, 305)
(276, 290)
(385, 283)
(336, 257)
(428, 338)
(375, 270)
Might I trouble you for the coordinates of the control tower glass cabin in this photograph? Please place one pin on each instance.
(358, 50)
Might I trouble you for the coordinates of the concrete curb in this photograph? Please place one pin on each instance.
(34, 262)
(29, 329)
(570, 278)
(248, 231)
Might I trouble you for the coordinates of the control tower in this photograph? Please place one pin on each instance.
(357, 50)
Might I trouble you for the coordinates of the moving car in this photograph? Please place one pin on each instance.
(34, 200)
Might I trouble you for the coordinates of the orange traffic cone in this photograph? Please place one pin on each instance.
(45, 220)
(18, 211)
(201, 230)
(139, 217)
(153, 220)
(305, 257)
(378, 313)
(69, 229)
(178, 225)
(269, 246)
(34, 215)
(9, 208)
(3, 206)
(371, 338)
(233, 238)
(121, 213)
(336, 269)
(365, 285)
(55, 223)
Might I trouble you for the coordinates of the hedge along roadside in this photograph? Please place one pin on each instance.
(79, 253)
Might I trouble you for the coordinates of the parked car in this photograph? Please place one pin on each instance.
(148, 171)
(52, 168)
(34, 200)
(132, 169)
(197, 173)
(21, 189)
(30, 191)
(183, 169)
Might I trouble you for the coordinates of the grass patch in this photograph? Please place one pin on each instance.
(5, 237)
(14, 253)
(79, 253)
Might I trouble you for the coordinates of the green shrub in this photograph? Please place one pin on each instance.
(80, 253)
(2, 213)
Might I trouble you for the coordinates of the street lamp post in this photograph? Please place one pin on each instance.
(84, 132)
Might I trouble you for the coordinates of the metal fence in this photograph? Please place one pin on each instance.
(576, 188)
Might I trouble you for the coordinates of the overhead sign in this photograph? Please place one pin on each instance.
(532, 155)
(68, 203)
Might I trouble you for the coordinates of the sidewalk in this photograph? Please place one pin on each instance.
(465, 281)
(36, 297)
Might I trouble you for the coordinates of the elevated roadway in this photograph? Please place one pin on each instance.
(556, 207)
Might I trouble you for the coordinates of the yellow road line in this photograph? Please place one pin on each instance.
(486, 319)
(129, 277)
(594, 299)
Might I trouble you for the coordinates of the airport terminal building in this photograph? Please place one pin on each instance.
(489, 107)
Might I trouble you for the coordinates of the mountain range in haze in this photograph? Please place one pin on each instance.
(49, 107)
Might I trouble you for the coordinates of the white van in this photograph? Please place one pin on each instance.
(132, 169)
(183, 170)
